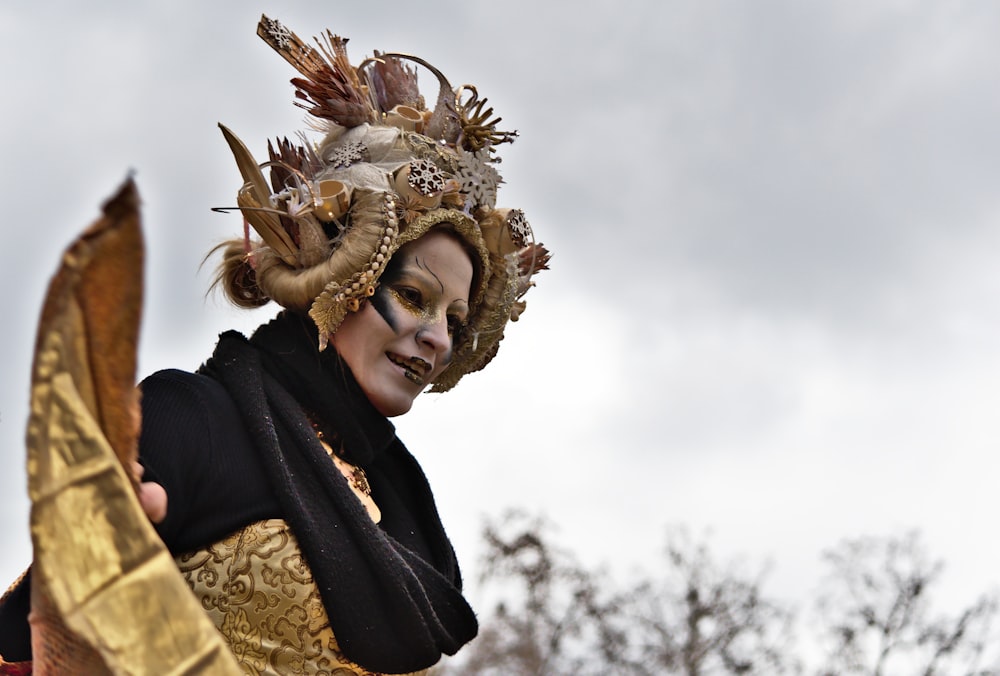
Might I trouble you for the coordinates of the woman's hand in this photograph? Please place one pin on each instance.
(152, 496)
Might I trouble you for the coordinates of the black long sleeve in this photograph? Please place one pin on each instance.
(194, 443)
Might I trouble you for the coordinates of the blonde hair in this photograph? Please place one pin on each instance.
(251, 275)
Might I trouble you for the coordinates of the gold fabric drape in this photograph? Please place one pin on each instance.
(106, 594)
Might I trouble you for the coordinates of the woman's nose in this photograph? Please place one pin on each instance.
(435, 335)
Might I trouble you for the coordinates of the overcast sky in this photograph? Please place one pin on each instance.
(773, 305)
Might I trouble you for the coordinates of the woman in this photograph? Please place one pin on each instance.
(305, 528)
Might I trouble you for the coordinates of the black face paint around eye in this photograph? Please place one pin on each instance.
(397, 310)
(382, 302)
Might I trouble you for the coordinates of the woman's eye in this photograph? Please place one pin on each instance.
(455, 324)
(410, 295)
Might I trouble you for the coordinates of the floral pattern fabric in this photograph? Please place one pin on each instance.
(258, 589)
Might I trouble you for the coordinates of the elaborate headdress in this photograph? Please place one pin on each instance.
(387, 171)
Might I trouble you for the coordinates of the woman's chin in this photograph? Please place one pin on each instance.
(392, 403)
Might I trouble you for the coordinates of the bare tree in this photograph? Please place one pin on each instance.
(549, 615)
(876, 608)
(699, 618)
(553, 617)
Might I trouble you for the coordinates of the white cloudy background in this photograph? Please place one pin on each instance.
(774, 308)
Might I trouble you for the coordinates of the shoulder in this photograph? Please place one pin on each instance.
(186, 403)
(173, 387)
(188, 411)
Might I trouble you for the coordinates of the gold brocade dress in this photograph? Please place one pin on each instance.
(258, 589)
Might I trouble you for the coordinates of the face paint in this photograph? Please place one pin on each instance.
(402, 339)
(398, 297)
(382, 302)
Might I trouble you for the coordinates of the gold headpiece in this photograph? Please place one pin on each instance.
(387, 171)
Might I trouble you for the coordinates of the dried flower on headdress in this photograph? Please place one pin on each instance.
(330, 88)
(478, 131)
(287, 159)
(394, 84)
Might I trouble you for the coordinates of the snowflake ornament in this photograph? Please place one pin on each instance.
(520, 229)
(345, 155)
(425, 177)
(478, 177)
(277, 32)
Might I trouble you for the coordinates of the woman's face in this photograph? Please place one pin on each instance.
(402, 339)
